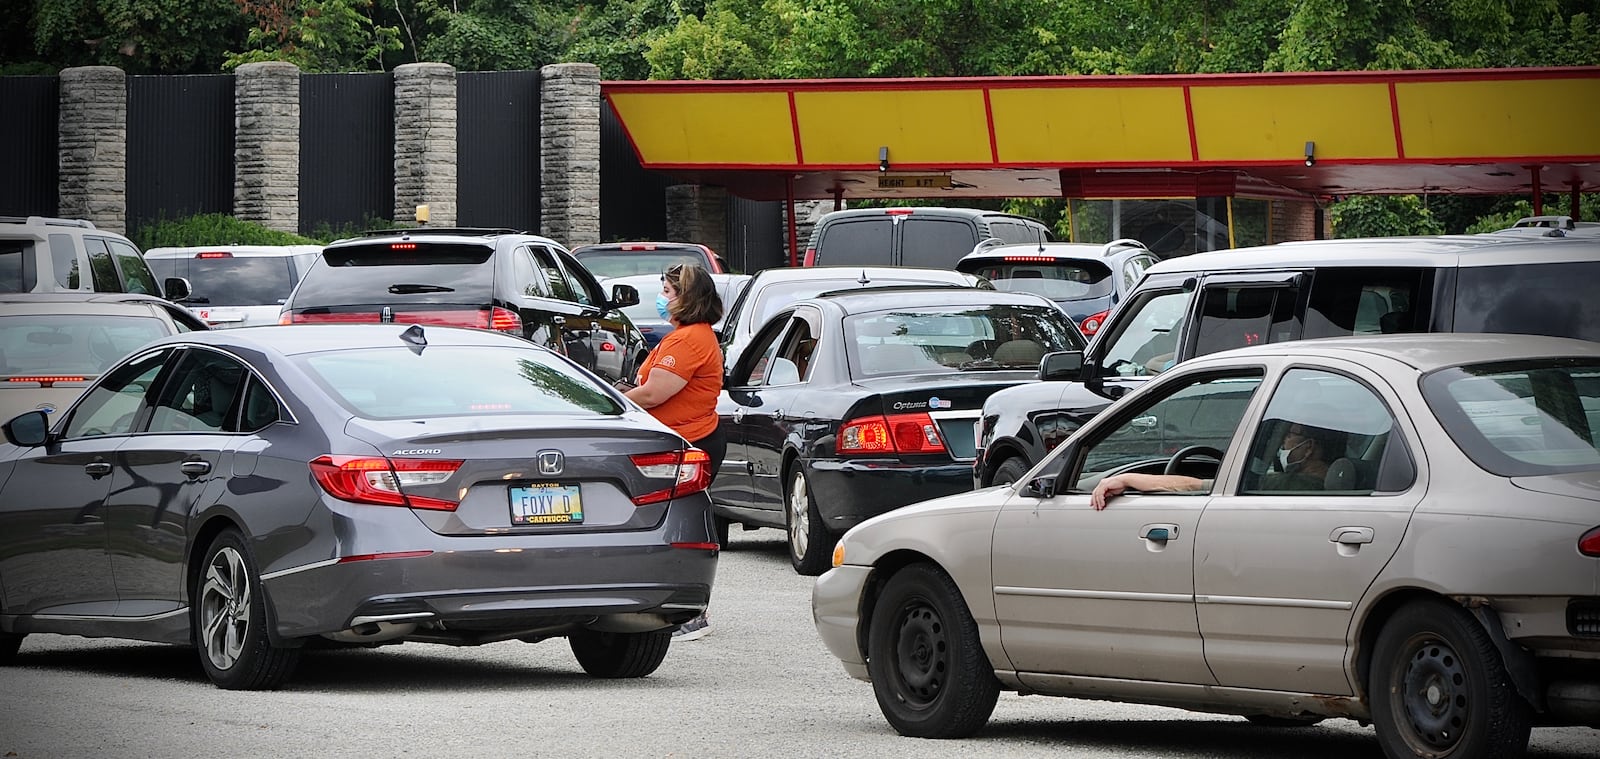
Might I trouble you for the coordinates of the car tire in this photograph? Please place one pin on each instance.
(1011, 470)
(1439, 688)
(9, 643)
(925, 659)
(617, 654)
(1267, 720)
(724, 529)
(807, 538)
(230, 621)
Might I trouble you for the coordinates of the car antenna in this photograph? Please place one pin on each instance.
(864, 280)
(413, 337)
(1040, 234)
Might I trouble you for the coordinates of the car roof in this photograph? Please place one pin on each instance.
(971, 213)
(862, 300)
(1064, 250)
(242, 251)
(13, 307)
(845, 271)
(1436, 251)
(1424, 352)
(637, 247)
(471, 235)
(313, 338)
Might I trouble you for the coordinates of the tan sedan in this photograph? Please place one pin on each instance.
(1402, 530)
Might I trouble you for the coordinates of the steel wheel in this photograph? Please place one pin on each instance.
(806, 536)
(928, 669)
(1439, 688)
(230, 620)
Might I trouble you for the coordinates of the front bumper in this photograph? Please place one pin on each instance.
(836, 608)
(847, 492)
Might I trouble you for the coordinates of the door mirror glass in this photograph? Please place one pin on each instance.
(1061, 365)
(623, 296)
(28, 430)
(177, 289)
(1040, 487)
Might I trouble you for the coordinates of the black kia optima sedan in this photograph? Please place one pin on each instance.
(248, 491)
(860, 401)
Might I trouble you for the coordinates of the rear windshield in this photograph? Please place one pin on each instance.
(397, 383)
(935, 243)
(429, 273)
(963, 337)
(1059, 280)
(1556, 299)
(1522, 418)
(72, 344)
(624, 263)
(234, 281)
(857, 241)
(17, 273)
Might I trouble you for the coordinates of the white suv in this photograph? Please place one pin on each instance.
(235, 285)
(46, 255)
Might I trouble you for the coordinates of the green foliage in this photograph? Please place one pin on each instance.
(326, 232)
(210, 229)
(316, 35)
(1383, 216)
(139, 36)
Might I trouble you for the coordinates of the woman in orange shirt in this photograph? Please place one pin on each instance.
(681, 379)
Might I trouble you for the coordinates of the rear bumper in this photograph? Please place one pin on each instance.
(849, 491)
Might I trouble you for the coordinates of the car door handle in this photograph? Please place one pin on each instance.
(1351, 535)
(1162, 532)
(738, 415)
(194, 468)
(1145, 422)
(97, 469)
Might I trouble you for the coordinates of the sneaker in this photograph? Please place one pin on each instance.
(694, 629)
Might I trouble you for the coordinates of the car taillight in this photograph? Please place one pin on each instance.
(608, 347)
(1091, 323)
(690, 471)
(811, 257)
(286, 318)
(1589, 544)
(895, 433)
(382, 481)
(504, 320)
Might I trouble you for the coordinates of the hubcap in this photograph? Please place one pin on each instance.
(1433, 694)
(799, 518)
(921, 655)
(225, 608)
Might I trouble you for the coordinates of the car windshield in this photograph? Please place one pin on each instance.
(399, 383)
(624, 263)
(79, 345)
(1522, 418)
(1056, 280)
(968, 337)
(231, 280)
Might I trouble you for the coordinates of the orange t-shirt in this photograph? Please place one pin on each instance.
(692, 353)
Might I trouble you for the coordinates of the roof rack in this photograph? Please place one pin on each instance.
(48, 221)
(896, 288)
(482, 231)
(1124, 242)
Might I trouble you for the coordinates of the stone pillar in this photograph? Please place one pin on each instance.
(569, 153)
(425, 142)
(266, 144)
(698, 213)
(93, 146)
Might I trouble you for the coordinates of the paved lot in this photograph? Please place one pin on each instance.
(760, 686)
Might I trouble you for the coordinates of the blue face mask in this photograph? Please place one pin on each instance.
(661, 306)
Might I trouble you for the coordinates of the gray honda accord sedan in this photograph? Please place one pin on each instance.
(248, 491)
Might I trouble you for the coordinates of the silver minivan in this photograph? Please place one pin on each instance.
(235, 285)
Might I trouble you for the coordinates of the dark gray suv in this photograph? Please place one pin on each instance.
(921, 236)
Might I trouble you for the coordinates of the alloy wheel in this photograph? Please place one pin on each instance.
(225, 608)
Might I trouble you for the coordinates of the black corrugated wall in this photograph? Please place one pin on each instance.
(28, 145)
(497, 145)
(755, 234)
(180, 147)
(346, 150)
(633, 201)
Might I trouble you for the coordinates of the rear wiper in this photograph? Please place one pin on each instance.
(405, 289)
(193, 300)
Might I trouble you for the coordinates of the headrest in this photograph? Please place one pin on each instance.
(1341, 475)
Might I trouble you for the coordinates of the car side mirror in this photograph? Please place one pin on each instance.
(1040, 487)
(623, 296)
(1061, 365)
(176, 288)
(27, 430)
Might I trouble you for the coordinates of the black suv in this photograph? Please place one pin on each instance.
(494, 279)
(921, 236)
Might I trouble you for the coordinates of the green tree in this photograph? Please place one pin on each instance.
(1383, 215)
(138, 36)
(316, 35)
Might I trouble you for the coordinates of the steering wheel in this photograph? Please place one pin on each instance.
(1186, 452)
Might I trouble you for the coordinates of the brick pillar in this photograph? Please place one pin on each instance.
(698, 213)
(425, 142)
(1294, 220)
(93, 146)
(569, 153)
(266, 144)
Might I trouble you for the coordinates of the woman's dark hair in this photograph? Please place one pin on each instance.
(697, 300)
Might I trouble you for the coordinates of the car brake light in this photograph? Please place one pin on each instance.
(45, 381)
(898, 211)
(382, 481)
(895, 433)
(1091, 323)
(689, 469)
(214, 254)
(504, 320)
(402, 246)
(637, 246)
(1589, 544)
(1029, 259)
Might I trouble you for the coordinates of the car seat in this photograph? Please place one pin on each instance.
(1019, 352)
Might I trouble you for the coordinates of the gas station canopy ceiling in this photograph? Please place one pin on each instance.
(1490, 131)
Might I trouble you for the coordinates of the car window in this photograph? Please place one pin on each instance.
(419, 273)
(1546, 298)
(136, 277)
(1323, 434)
(757, 356)
(1205, 412)
(1147, 342)
(77, 345)
(1235, 316)
(625, 263)
(64, 257)
(397, 383)
(967, 337)
(101, 267)
(1049, 277)
(201, 396)
(554, 279)
(227, 280)
(792, 363)
(17, 269)
(112, 406)
(857, 241)
(934, 243)
(583, 288)
(1368, 301)
(1522, 418)
(260, 407)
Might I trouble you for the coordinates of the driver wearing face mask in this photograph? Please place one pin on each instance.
(1303, 458)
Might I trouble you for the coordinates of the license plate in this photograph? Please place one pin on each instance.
(546, 503)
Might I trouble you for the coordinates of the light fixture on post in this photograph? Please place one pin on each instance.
(883, 159)
(1311, 153)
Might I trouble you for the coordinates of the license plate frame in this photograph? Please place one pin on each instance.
(538, 503)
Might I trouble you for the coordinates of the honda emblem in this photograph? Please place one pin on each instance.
(550, 462)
